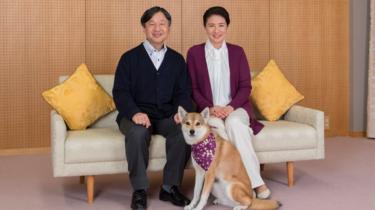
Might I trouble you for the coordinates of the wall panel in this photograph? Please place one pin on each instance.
(114, 27)
(309, 40)
(249, 27)
(43, 39)
(39, 40)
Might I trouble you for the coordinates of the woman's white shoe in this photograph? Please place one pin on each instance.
(265, 194)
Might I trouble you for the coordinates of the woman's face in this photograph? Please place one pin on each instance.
(216, 29)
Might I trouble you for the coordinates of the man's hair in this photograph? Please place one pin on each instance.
(148, 14)
(221, 11)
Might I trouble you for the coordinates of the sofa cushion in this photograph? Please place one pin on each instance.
(285, 135)
(272, 93)
(106, 81)
(104, 144)
(80, 100)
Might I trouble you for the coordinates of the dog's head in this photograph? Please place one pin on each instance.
(194, 125)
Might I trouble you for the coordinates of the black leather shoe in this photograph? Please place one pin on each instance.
(139, 200)
(174, 197)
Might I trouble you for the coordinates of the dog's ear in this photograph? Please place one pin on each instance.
(206, 114)
(181, 112)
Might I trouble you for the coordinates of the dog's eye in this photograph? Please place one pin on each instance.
(187, 123)
(198, 124)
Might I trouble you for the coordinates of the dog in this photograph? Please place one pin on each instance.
(218, 167)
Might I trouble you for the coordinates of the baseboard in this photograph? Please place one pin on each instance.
(331, 133)
(25, 151)
(327, 134)
(357, 134)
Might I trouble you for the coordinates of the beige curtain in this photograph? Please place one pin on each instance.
(371, 77)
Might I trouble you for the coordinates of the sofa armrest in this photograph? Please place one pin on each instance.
(312, 117)
(58, 136)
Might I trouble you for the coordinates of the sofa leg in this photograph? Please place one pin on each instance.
(262, 167)
(82, 179)
(90, 189)
(290, 168)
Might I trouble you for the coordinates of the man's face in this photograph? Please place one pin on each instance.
(157, 30)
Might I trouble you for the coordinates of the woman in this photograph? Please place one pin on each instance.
(220, 77)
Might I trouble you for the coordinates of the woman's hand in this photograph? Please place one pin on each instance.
(221, 112)
(228, 109)
(218, 111)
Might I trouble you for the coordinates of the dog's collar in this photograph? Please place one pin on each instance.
(204, 152)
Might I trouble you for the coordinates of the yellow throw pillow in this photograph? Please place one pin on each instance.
(80, 100)
(272, 93)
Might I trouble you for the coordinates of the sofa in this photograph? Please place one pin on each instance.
(100, 149)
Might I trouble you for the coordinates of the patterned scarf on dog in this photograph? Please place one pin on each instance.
(204, 152)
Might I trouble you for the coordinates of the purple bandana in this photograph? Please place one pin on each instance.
(204, 152)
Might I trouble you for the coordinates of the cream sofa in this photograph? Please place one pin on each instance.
(100, 149)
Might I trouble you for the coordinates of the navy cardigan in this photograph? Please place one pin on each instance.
(139, 87)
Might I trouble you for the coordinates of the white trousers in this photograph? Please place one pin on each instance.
(236, 129)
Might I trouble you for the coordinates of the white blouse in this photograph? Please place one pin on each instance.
(218, 70)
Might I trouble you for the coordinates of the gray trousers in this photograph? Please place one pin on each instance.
(137, 141)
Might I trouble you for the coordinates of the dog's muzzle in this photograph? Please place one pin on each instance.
(192, 132)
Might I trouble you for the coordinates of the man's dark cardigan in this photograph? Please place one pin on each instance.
(139, 87)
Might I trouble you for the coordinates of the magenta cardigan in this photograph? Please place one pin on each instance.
(240, 85)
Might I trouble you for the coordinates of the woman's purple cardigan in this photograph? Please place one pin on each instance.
(240, 78)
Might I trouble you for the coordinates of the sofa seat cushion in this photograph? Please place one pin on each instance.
(285, 135)
(107, 144)
(104, 144)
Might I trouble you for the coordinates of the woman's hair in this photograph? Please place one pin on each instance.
(148, 14)
(221, 11)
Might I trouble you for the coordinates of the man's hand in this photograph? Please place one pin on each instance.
(141, 119)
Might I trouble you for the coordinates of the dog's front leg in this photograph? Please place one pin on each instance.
(209, 179)
(199, 178)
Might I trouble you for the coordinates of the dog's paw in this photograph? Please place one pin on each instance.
(240, 207)
(189, 207)
(216, 202)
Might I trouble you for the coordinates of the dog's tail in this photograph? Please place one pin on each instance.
(264, 204)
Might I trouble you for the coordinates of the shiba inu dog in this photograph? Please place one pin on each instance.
(218, 167)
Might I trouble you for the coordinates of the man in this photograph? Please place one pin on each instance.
(151, 81)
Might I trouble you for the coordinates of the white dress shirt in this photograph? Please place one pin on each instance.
(219, 73)
(156, 56)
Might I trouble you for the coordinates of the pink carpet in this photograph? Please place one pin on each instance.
(345, 180)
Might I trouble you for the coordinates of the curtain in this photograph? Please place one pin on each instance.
(371, 77)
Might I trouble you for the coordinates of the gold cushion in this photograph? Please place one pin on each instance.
(272, 93)
(80, 100)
